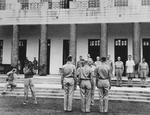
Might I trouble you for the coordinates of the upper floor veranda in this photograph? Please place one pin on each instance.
(73, 11)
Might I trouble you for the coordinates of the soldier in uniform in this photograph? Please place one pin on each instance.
(97, 62)
(93, 80)
(79, 62)
(110, 64)
(130, 70)
(68, 80)
(85, 74)
(119, 68)
(103, 83)
(143, 70)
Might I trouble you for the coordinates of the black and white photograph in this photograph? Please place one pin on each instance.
(74, 57)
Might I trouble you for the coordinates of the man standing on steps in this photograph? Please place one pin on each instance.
(119, 68)
(110, 64)
(85, 74)
(68, 81)
(103, 83)
(130, 70)
(143, 71)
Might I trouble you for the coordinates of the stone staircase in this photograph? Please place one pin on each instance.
(49, 87)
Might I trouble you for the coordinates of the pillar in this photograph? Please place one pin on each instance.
(136, 42)
(15, 46)
(104, 40)
(73, 42)
(43, 50)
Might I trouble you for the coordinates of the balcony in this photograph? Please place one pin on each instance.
(78, 12)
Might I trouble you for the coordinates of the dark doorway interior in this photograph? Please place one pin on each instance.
(65, 50)
(22, 53)
(146, 50)
(121, 50)
(94, 48)
(48, 55)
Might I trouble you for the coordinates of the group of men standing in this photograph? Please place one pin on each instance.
(87, 76)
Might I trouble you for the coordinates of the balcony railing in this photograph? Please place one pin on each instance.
(78, 12)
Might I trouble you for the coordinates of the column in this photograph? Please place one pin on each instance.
(43, 50)
(136, 42)
(15, 46)
(73, 42)
(104, 40)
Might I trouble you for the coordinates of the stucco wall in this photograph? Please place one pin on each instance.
(57, 33)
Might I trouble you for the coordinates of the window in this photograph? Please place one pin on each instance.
(24, 4)
(93, 3)
(119, 3)
(145, 2)
(2, 4)
(1, 51)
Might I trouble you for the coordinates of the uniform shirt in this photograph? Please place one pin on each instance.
(103, 71)
(130, 66)
(68, 70)
(97, 63)
(143, 66)
(11, 76)
(110, 64)
(85, 72)
(28, 72)
(119, 65)
(79, 63)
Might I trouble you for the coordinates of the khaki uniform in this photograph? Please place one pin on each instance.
(68, 75)
(110, 64)
(119, 68)
(130, 71)
(84, 74)
(93, 84)
(97, 63)
(103, 75)
(143, 70)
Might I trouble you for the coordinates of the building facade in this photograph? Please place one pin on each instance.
(52, 29)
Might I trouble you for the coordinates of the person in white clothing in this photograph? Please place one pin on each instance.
(130, 70)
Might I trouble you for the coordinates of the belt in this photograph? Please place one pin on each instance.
(85, 79)
(119, 68)
(143, 69)
(69, 77)
(103, 78)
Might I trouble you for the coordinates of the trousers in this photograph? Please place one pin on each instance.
(85, 91)
(103, 89)
(68, 93)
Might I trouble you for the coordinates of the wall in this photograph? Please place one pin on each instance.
(57, 33)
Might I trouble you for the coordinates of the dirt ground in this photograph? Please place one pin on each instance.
(14, 106)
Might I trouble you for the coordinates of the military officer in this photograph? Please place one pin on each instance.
(93, 80)
(68, 80)
(103, 83)
(110, 64)
(80, 61)
(85, 75)
(143, 70)
(97, 62)
(130, 70)
(119, 68)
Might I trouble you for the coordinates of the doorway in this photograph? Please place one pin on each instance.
(146, 49)
(22, 53)
(94, 48)
(65, 50)
(48, 55)
(121, 50)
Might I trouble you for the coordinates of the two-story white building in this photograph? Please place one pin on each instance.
(52, 29)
